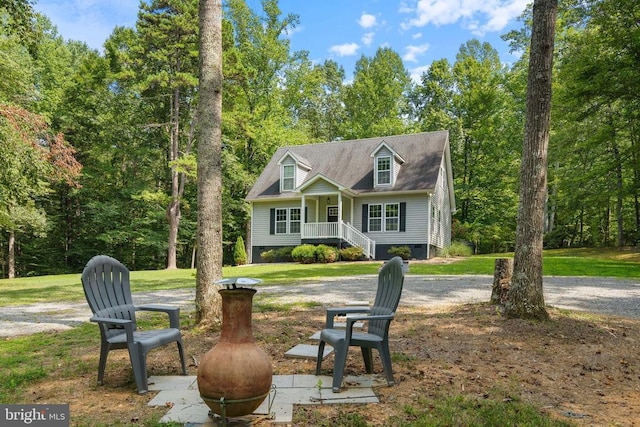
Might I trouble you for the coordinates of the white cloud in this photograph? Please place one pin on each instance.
(416, 36)
(412, 52)
(499, 13)
(347, 49)
(416, 73)
(367, 38)
(479, 17)
(367, 20)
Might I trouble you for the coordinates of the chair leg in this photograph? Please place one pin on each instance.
(181, 351)
(368, 359)
(139, 366)
(319, 358)
(386, 362)
(340, 358)
(104, 351)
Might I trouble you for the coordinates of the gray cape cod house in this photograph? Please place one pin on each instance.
(374, 193)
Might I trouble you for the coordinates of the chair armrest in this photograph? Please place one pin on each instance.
(125, 323)
(352, 320)
(332, 312)
(173, 312)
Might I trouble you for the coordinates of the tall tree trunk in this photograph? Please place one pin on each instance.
(12, 255)
(209, 120)
(173, 211)
(526, 299)
(249, 242)
(619, 194)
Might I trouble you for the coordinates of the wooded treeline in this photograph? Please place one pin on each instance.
(129, 114)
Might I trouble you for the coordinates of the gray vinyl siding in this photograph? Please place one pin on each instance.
(261, 225)
(320, 187)
(416, 219)
(441, 213)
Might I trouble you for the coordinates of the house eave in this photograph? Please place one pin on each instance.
(296, 195)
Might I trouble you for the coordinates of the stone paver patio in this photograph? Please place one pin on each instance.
(180, 394)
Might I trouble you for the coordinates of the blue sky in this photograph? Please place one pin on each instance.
(421, 31)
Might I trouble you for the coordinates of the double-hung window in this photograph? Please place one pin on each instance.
(384, 217)
(287, 220)
(383, 170)
(294, 220)
(288, 177)
(281, 221)
(391, 217)
(375, 217)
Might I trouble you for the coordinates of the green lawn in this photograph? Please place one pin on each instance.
(57, 354)
(578, 262)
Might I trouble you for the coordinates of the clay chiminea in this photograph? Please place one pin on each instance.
(234, 377)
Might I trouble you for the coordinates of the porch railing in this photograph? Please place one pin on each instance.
(320, 230)
(340, 230)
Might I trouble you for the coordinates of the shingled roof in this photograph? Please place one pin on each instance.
(350, 165)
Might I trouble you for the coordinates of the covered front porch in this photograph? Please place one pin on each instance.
(328, 217)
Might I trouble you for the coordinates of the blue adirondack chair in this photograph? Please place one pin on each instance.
(378, 319)
(106, 285)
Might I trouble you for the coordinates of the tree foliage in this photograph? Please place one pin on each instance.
(130, 114)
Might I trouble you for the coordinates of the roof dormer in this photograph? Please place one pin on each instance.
(293, 171)
(386, 165)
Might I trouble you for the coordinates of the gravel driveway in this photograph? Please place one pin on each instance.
(595, 294)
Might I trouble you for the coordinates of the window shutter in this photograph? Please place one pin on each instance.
(365, 218)
(403, 216)
(272, 221)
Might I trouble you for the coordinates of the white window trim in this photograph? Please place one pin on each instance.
(397, 217)
(377, 171)
(287, 221)
(284, 178)
(299, 221)
(383, 218)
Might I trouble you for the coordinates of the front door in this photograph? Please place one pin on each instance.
(332, 214)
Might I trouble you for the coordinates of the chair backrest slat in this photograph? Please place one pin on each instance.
(390, 283)
(106, 285)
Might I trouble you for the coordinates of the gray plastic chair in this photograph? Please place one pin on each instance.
(378, 318)
(106, 285)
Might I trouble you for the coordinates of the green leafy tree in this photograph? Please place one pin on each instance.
(163, 60)
(31, 158)
(313, 96)
(474, 100)
(376, 103)
(597, 106)
(257, 121)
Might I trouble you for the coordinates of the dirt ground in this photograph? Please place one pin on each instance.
(578, 367)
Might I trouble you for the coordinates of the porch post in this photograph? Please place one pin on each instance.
(340, 215)
(303, 219)
(351, 215)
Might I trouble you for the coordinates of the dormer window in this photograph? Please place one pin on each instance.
(293, 171)
(383, 170)
(386, 166)
(288, 177)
